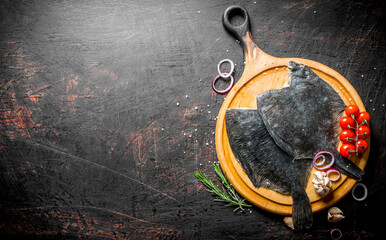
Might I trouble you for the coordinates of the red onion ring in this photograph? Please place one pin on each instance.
(318, 165)
(225, 74)
(227, 89)
(335, 237)
(333, 170)
(364, 189)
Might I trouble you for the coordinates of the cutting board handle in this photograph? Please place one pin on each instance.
(242, 32)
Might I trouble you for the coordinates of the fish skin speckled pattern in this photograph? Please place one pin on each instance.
(302, 118)
(266, 164)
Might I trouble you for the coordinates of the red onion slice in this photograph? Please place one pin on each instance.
(335, 234)
(333, 170)
(318, 165)
(364, 189)
(227, 89)
(225, 74)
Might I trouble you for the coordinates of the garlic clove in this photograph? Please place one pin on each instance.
(335, 210)
(334, 214)
(289, 222)
(320, 191)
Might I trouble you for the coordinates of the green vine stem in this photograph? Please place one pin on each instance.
(356, 134)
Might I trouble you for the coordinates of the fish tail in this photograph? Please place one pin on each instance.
(347, 167)
(301, 209)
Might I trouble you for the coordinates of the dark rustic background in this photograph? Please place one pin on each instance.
(106, 111)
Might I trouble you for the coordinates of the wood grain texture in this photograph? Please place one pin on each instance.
(106, 110)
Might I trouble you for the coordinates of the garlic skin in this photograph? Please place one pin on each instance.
(334, 214)
(289, 222)
(321, 183)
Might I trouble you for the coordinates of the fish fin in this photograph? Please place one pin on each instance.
(347, 167)
(301, 209)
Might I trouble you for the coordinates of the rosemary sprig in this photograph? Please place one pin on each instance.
(228, 195)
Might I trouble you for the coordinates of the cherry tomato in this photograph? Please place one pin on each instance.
(347, 136)
(363, 132)
(362, 145)
(363, 116)
(347, 149)
(352, 110)
(347, 122)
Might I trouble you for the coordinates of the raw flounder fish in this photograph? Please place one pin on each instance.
(266, 164)
(303, 117)
(276, 143)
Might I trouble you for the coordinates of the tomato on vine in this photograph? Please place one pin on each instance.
(347, 136)
(363, 118)
(355, 129)
(362, 145)
(352, 110)
(347, 149)
(347, 122)
(363, 132)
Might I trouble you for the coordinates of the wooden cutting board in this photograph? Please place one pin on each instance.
(263, 72)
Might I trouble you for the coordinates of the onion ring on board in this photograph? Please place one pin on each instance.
(319, 166)
(333, 170)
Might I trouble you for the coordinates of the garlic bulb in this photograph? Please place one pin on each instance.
(322, 183)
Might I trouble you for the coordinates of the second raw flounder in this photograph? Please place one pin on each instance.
(303, 117)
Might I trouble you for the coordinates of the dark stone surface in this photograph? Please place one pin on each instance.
(106, 111)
